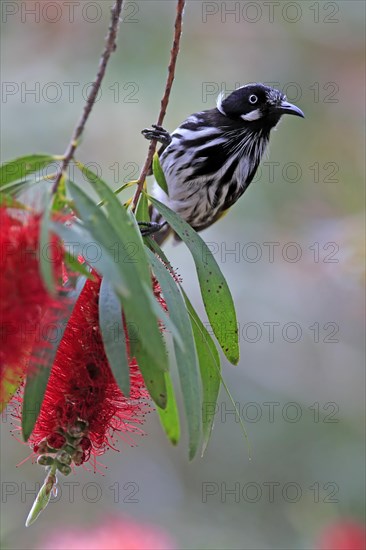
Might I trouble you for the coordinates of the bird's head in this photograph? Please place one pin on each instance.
(257, 104)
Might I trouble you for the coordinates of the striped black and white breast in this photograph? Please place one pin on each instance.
(208, 165)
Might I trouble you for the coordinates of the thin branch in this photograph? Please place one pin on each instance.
(165, 100)
(110, 47)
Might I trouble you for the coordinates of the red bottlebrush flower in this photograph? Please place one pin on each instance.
(343, 535)
(158, 295)
(24, 298)
(113, 533)
(83, 407)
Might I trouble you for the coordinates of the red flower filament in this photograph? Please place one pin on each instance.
(24, 298)
(83, 407)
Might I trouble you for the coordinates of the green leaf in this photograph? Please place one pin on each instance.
(169, 326)
(152, 244)
(42, 359)
(33, 396)
(116, 191)
(76, 267)
(46, 263)
(211, 377)
(154, 379)
(43, 497)
(60, 200)
(208, 357)
(169, 417)
(187, 361)
(142, 210)
(209, 360)
(159, 174)
(118, 231)
(113, 335)
(17, 169)
(216, 295)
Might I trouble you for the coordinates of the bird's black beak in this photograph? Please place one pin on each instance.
(286, 108)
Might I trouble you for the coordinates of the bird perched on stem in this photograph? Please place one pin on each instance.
(211, 158)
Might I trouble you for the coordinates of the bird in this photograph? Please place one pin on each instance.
(212, 157)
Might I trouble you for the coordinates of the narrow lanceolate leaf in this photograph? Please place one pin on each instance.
(142, 210)
(42, 359)
(169, 417)
(17, 169)
(118, 235)
(159, 174)
(45, 248)
(187, 361)
(166, 320)
(60, 200)
(113, 335)
(43, 497)
(116, 191)
(215, 292)
(154, 379)
(209, 360)
(75, 266)
(152, 244)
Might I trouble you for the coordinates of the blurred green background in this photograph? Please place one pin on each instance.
(300, 383)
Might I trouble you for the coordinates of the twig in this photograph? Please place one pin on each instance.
(164, 102)
(110, 47)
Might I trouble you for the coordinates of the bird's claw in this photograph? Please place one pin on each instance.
(148, 228)
(158, 133)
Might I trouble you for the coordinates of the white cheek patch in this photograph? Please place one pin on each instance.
(219, 103)
(253, 115)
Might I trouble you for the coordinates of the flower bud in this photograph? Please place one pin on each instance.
(79, 458)
(42, 447)
(64, 469)
(56, 440)
(78, 429)
(69, 449)
(45, 460)
(63, 457)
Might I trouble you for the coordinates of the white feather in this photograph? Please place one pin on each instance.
(253, 115)
(219, 103)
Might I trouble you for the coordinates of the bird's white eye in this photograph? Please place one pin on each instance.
(253, 99)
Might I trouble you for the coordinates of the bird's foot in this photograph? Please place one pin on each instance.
(158, 133)
(148, 228)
